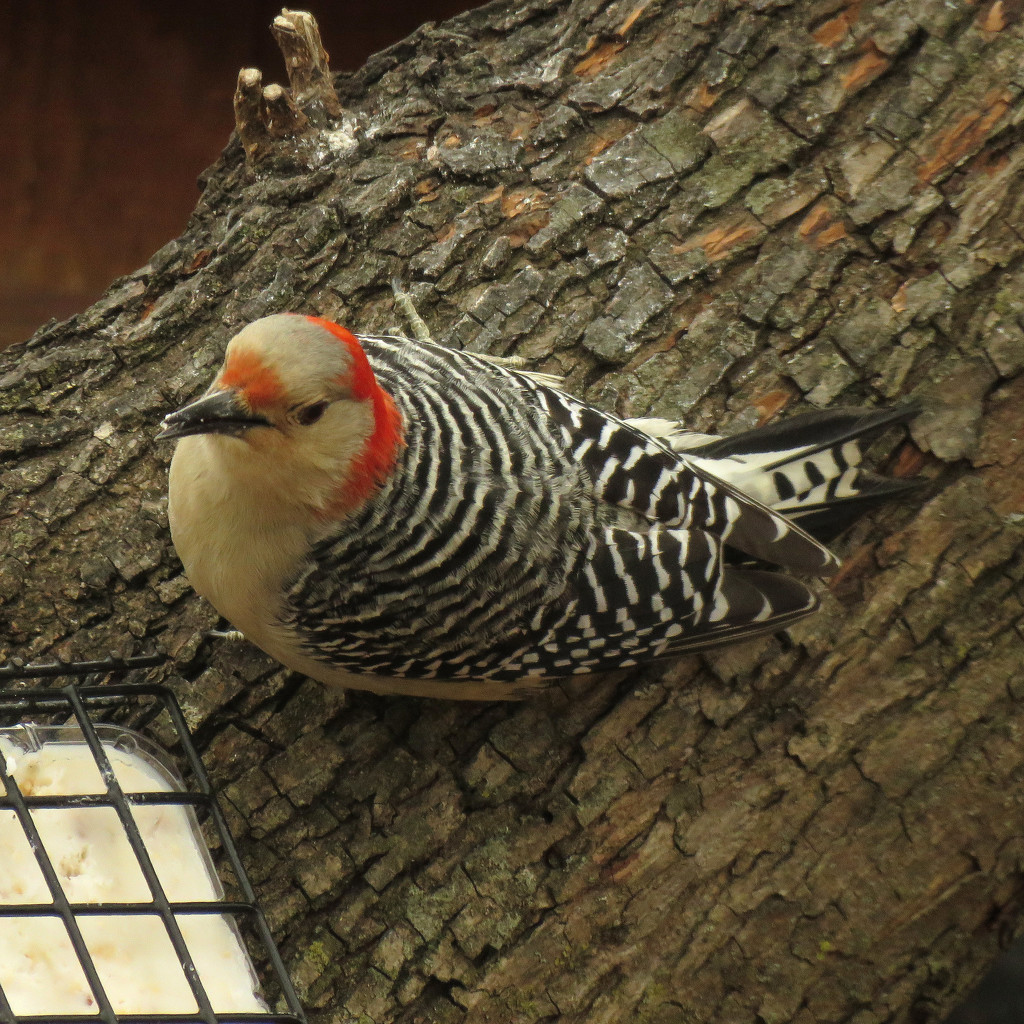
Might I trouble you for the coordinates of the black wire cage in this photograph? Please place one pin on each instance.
(90, 715)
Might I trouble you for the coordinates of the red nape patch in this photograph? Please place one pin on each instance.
(363, 383)
(372, 465)
(258, 383)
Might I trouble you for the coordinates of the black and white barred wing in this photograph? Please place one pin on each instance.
(640, 472)
(809, 467)
(675, 586)
(641, 596)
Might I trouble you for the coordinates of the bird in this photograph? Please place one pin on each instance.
(388, 514)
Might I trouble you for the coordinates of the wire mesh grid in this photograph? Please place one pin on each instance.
(151, 710)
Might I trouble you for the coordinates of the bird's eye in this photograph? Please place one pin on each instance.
(311, 413)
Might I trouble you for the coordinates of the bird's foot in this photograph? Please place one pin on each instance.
(403, 300)
(234, 635)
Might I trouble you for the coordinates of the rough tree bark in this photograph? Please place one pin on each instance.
(710, 210)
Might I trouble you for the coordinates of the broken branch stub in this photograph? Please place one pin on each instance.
(283, 118)
(268, 115)
(250, 114)
(309, 73)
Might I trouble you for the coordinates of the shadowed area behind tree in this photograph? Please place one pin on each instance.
(113, 108)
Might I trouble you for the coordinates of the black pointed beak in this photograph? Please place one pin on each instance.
(221, 412)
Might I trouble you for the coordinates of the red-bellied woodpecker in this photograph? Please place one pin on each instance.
(392, 515)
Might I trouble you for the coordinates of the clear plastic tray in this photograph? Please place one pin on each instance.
(109, 889)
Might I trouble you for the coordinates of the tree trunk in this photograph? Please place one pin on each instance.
(707, 210)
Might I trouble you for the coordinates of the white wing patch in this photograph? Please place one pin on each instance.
(671, 432)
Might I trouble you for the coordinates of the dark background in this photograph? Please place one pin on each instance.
(109, 109)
